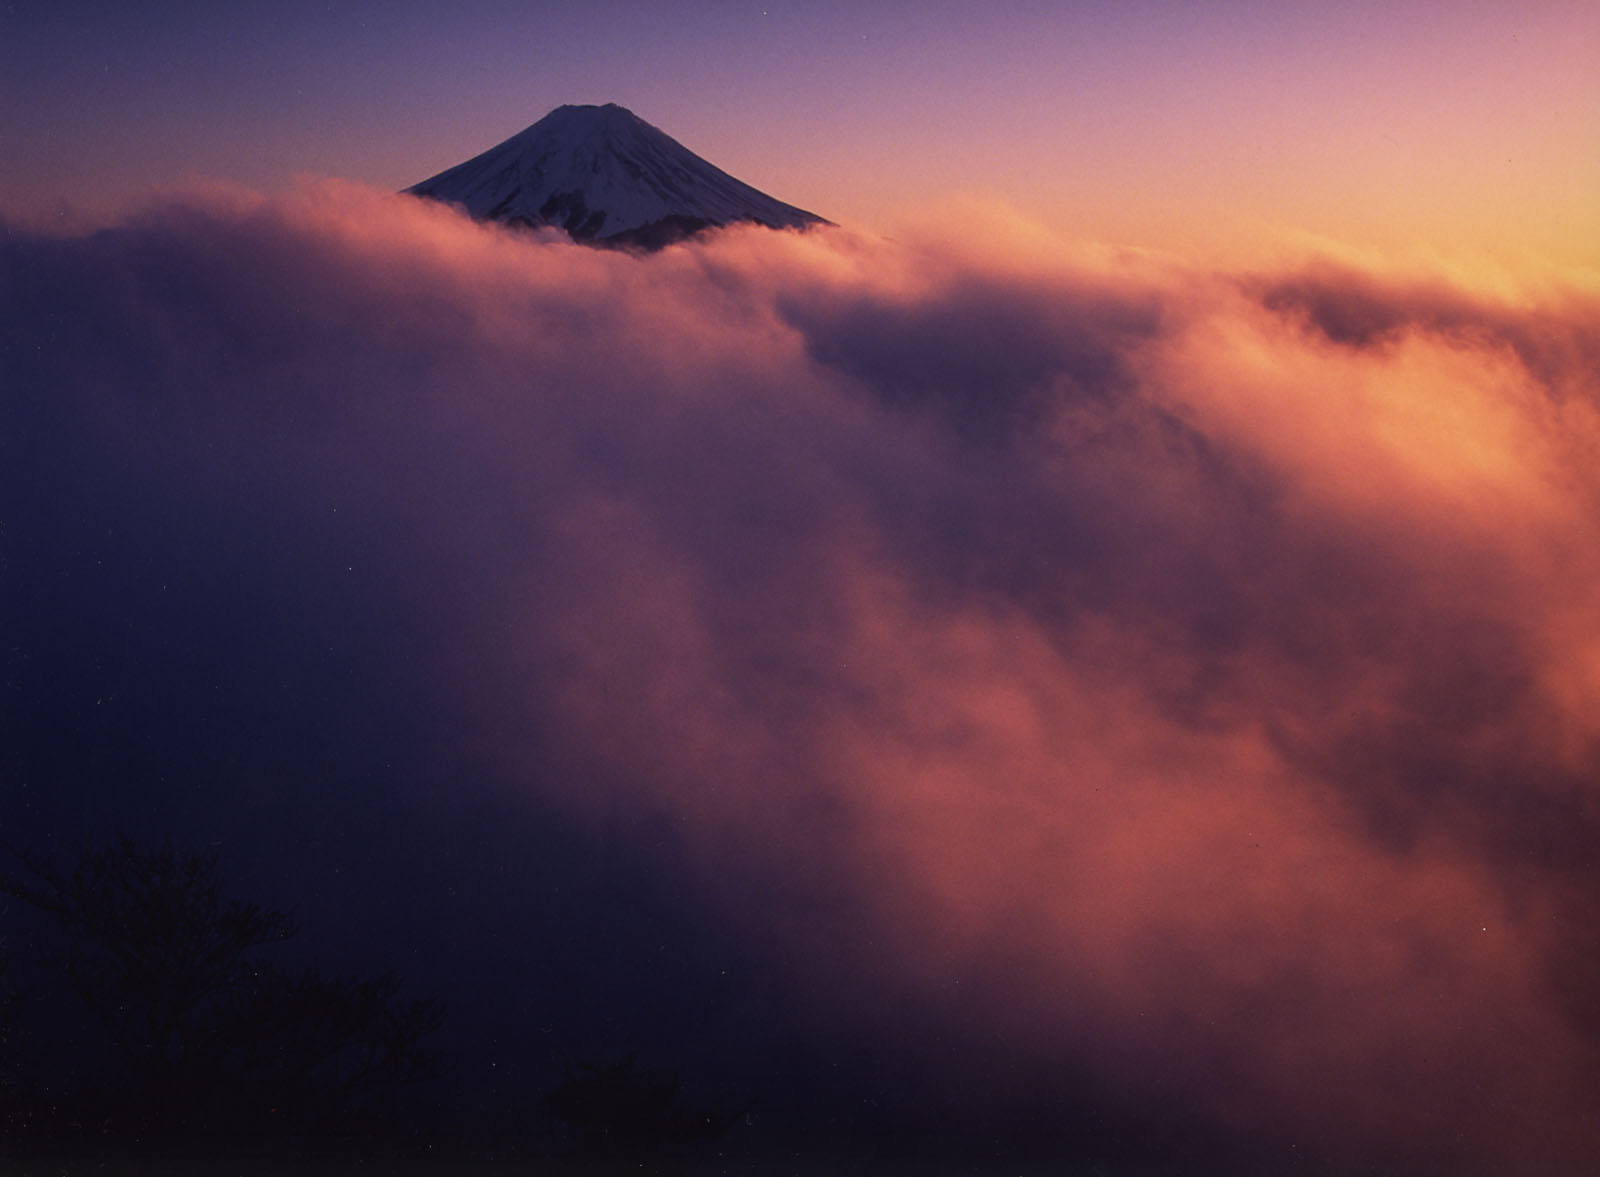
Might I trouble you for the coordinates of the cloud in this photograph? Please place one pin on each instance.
(1176, 678)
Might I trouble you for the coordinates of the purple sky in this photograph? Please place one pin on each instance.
(1198, 127)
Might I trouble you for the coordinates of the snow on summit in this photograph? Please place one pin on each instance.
(605, 176)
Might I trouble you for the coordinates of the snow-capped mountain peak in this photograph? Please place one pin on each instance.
(605, 176)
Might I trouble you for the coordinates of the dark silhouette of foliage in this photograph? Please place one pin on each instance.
(201, 1036)
(14, 1101)
(625, 1111)
(316, 1051)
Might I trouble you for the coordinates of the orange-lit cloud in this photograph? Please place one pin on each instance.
(1183, 677)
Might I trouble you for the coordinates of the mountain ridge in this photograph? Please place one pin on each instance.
(606, 177)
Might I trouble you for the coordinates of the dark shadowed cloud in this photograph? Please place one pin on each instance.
(1029, 667)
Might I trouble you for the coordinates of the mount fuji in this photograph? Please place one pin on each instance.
(607, 177)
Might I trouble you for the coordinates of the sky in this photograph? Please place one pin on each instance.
(1466, 128)
(1038, 674)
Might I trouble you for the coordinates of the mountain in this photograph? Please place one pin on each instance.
(607, 177)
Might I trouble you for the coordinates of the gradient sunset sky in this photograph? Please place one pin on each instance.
(1468, 127)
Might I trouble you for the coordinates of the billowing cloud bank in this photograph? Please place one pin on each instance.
(1185, 679)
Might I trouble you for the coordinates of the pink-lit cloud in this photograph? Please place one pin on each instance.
(1186, 675)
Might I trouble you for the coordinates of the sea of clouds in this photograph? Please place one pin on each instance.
(1190, 675)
